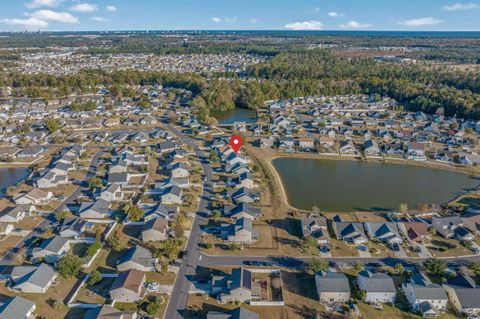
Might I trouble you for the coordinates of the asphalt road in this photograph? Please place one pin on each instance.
(21, 247)
(301, 263)
(181, 288)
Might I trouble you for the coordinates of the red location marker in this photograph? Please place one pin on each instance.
(236, 143)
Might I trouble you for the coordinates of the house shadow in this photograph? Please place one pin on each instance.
(372, 209)
(112, 258)
(306, 312)
(197, 312)
(300, 283)
(290, 225)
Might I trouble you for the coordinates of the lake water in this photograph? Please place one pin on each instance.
(236, 115)
(341, 186)
(11, 176)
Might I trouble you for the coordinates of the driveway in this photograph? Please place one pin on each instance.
(424, 252)
(363, 253)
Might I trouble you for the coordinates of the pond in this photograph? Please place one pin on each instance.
(342, 185)
(236, 115)
(11, 176)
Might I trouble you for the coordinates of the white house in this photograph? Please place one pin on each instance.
(379, 287)
(424, 296)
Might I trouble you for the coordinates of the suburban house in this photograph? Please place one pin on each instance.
(244, 195)
(172, 195)
(240, 232)
(180, 170)
(17, 308)
(16, 213)
(112, 193)
(95, 210)
(243, 180)
(416, 152)
(451, 227)
(108, 312)
(471, 222)
(32, 279)
(347, 148)
(424, 296)
(332, 287)
(416, 232)
(464, 295)
(138, 258)
(73, 227)
(51, 250)
(350, 232)
(385, 232)
(317, 228)
(306, 144)
(161, 211)
(51, 179)
(238, 287)
(238, 313)
(244, 210)
(155, 230)
(129, 286)
(371, 148)
(379, 287)
(167, 146)
(34, 197)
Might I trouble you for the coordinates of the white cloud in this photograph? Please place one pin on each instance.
(305, 25)
(99, 19)
(111, 8)
(253, 20)
(226, 19)
(84, 7)
(49, 15)
(354, 25)
(421, 22)
(27, 23)
(316, 9)
(334, 14)
(461, 6)
(43, 3)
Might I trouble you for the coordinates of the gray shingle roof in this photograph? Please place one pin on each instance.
(377, 282)
(16, 308)
(333, 282)
(39, 276)
(139, 255)
(52, 244)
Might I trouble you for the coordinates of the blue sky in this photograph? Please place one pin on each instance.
(409, 15)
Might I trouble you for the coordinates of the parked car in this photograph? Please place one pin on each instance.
(362, 247)
(395, 247)
(153, 287)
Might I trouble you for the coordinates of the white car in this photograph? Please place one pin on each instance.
(153, 287)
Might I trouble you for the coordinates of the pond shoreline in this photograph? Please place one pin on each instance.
(267, 156)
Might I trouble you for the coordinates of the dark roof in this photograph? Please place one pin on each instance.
(333, 282)
(377, 282)
(242, 207)
(462, 281)
(241, 278)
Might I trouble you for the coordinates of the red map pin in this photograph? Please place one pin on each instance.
(236, 143)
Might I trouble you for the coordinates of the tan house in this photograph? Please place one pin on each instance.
(128, 286)
(34, 197)
(155, 230)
